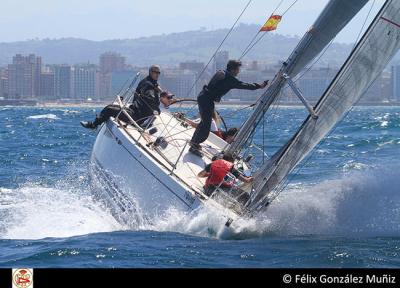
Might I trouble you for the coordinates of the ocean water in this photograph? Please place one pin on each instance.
(341, 209)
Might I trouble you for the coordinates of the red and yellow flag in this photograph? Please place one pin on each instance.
(271, 24)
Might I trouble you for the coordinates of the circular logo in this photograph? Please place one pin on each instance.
(22, 278)
(287, 278)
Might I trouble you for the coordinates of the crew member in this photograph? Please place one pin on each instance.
(166, 99)
(146, 101)
(216, 172)
(147, 98)
(214, 124)
(229, 135)
(220, 84)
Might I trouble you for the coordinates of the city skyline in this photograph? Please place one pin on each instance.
(123, 19)
(29, 77)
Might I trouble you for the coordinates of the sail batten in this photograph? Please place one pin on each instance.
(331, 21)
(371, 55)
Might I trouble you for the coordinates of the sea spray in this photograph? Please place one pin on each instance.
(360, 203)
(35, 212)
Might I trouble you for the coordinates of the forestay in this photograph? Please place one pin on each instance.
(331, 21)
(377, 47)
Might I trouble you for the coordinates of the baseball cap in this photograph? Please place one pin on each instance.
(167, 94)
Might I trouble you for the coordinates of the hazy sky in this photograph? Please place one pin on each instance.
(115, 19)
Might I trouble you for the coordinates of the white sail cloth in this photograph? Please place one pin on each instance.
(377, 47)
(331, 21)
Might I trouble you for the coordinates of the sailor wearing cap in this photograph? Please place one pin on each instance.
(166, 99)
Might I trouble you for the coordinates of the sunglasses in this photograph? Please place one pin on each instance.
(157, 72)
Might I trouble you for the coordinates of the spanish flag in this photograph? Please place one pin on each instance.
(271, 24)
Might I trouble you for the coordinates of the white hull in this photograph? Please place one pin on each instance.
(139, 185)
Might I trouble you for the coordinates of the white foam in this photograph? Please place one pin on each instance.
(363, 203)
(44, 116)
(39, 212)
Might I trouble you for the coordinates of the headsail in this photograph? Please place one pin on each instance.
(377, 47)
(331, 21)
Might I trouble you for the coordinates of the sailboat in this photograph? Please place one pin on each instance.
(142, 172)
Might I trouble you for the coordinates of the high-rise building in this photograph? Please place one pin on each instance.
(109, 62)
(249, 76)
(62, 81)
(119, 79)
(395, 83)
(314, 83)
(85, 82)
(47, 85)
(202, 75)
(386, 85)
(254, 66)
(4, 83)
(2, 88)
(24, 76)
(195, 66)
(178, 82)
(220, 60)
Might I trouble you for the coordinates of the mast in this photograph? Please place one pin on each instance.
(376, 48)
(335, 16)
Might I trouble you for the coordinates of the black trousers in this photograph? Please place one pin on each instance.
(113, 111)
(206, 109)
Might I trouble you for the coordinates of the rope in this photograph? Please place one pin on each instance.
(285, 183)
(251, 44)
(183, 100)
(330, 43)
(222, 119)
(219, 47)
(365, 21)
(231, 114)
(294, 2)
(258, 32)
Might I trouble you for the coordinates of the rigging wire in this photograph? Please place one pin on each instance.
(365, 21)
(258, 32)
(275, 101)
(232, 113)
(285, 183)
(294, 2)
(216, 51)
(251, 45)
(330, 43)
(219, 47)
(247, 48)
(245, 51)
(323, 141)
(266, 118)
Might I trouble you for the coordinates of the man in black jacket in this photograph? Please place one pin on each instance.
(147, 96)
(146, 101)
(219, 85)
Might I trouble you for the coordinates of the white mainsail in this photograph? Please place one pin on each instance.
(371, 55)
(331, 21)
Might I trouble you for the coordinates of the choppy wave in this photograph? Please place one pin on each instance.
(362, 203)
(365, 203)
(44, 116)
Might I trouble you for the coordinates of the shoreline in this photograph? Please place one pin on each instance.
(223, 105)
(184, 105)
